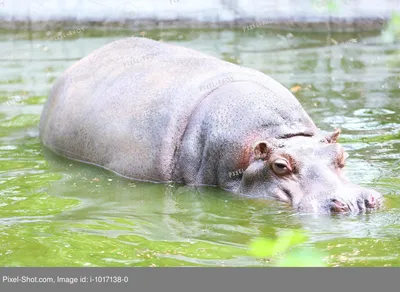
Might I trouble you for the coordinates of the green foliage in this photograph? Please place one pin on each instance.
(332, 6)
(392, 30)
(326, 5)
(284, 249)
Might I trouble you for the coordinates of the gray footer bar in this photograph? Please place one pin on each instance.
(199, 279)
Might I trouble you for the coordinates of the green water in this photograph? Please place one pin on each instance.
(54, 212)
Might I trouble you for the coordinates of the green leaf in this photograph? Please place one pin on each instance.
(292, 238)
(262, 247)
(395, 20)
(332, 6)
(287, 239)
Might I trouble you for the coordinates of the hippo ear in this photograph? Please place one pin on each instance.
(332, 138)
(261, 150)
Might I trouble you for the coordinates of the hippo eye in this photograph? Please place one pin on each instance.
(281, 167)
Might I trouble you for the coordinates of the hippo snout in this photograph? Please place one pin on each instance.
(350, 200)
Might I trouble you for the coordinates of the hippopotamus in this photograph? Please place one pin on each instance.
(162, 113)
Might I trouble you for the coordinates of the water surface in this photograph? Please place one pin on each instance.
(55, 212)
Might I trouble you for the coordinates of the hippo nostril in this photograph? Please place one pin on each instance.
(337, 206)
(370, 202)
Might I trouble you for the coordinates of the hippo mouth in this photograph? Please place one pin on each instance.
(358, 203)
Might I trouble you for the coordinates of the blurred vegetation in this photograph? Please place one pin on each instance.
(391, 32)
(283, 251)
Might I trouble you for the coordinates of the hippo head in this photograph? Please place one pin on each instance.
(306, 171)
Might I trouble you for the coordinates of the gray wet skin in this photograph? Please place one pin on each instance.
(163, 113)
